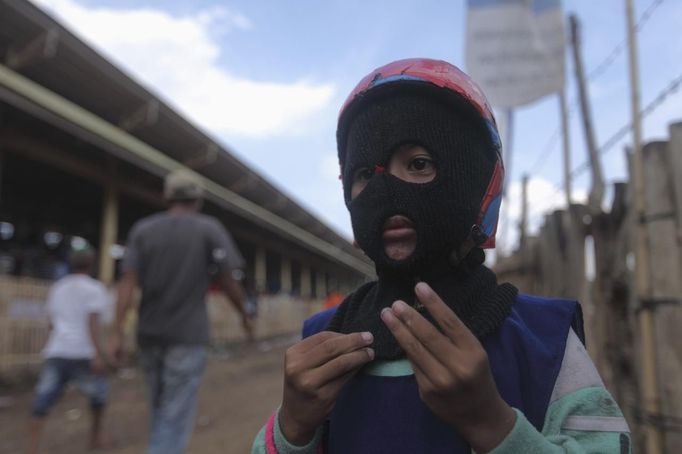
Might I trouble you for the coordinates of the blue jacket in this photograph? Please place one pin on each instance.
(385, 414)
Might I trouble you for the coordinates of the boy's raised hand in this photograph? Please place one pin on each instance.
(315, 370)
(452, 370)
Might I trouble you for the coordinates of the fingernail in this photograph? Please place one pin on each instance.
(399, 307)
(387, 314)
(367, 337)
(370, 353)
(423, 288)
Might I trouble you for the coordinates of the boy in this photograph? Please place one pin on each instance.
(435, 356)
(73, 352)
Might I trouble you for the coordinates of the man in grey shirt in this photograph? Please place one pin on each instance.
(169, 256)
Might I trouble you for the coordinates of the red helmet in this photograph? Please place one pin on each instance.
(444, 75)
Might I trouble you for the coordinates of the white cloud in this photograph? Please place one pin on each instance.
(229, 19)
(178, 58)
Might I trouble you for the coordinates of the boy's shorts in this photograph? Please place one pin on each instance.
(57, 373)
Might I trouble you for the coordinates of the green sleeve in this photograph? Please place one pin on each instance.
(258, 446)
(282, 444)
(582, 417)
(586, 421)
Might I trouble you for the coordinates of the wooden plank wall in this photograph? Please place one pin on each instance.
(552, 263)
(22, 338)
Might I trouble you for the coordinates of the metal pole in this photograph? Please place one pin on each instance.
(597, 191)
(507, 159)
(650, 392)
(523, 226)
(508, 146)
(566, 146)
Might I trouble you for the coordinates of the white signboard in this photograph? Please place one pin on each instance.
(515, 49)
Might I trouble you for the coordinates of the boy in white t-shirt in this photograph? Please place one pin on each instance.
(73, 352)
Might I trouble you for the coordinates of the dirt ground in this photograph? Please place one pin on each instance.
(241, 387)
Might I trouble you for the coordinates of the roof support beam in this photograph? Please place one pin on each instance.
(205, 158)
(71, 117)
(280, 202)
(41, 47)
(145, 115)
(246, 181)
(12, 141)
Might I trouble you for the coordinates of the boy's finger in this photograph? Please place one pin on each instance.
(334, 386)
(336, 346)
(421, 376)
(313, 341)
(451, 325)
(415, 350)
(342, 365)
(423, 330)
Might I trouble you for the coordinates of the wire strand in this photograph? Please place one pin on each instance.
(623, 131)
(598, 71)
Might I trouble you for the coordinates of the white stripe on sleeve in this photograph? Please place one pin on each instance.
(596, 424)
(577, 370)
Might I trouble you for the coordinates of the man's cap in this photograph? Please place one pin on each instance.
(182, 185)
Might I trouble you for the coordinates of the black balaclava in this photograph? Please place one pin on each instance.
(442, 211)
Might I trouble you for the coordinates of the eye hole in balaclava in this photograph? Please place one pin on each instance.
(443, 209)
(409, 162)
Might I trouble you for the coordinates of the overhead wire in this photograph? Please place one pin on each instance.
(595, 73)
(598, 71)
(620, 134)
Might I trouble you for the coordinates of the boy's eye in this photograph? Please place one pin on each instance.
(420, 164)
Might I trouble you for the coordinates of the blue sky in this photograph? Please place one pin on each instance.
(267, 78)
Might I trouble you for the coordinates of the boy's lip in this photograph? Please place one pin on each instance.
(398, 227)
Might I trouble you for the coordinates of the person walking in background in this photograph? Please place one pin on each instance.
(170, 255)
(75, 305)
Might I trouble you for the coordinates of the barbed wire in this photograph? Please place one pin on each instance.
(615, 138)
(598, 71)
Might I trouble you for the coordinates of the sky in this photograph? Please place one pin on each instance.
(267, 78)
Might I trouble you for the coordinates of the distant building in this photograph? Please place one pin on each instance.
(83, 151)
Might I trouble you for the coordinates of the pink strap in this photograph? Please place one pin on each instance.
(270, 447)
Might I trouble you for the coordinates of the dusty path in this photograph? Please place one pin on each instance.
(239, 391)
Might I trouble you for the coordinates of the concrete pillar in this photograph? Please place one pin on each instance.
(305, 281)
(285, 275)
(345, 285)
(2, 162)
(108, 233)
(260, 269)
(321, 284)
